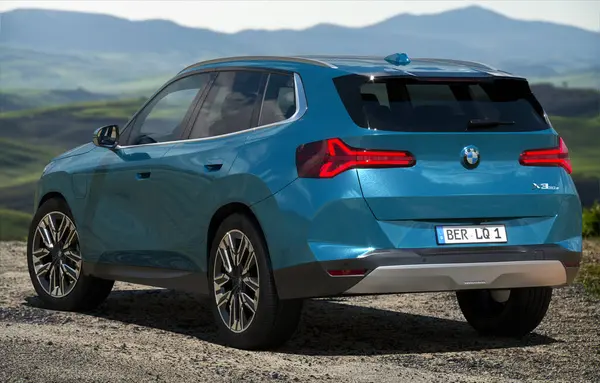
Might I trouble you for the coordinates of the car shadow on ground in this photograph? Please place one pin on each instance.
(328, 327)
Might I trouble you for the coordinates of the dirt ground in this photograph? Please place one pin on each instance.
(154, 335)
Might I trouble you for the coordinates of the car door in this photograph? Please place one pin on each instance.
(121, 220)
(192, 187)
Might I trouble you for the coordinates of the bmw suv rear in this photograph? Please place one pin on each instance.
(277, 179)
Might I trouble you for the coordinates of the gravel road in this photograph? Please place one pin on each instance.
(153, 335)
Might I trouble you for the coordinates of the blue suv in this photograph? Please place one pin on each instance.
(263, 181)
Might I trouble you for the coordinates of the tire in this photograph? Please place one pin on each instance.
(273, 321)
(78, 292)
(516, 317)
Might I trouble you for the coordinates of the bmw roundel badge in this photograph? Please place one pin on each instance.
(471, 157)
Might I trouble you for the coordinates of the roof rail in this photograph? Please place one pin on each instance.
(297, 59)
(440, 60)
(341, 57)
(459, 62)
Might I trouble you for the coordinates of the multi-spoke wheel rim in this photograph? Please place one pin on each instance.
(236, 281)
(55, 254)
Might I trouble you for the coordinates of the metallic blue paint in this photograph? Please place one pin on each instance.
(160, 219)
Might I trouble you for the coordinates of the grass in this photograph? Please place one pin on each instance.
(582, 136)
(13, 225)
(22, 163)
(65, 126)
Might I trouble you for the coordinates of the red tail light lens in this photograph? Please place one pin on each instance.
(347, 273)
(328, 158)
(558, 156)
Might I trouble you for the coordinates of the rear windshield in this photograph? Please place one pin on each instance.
(406, 104)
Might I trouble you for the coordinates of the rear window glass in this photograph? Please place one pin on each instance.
(404, 104)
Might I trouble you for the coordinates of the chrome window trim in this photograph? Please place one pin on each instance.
(264, 95)
(301, 108)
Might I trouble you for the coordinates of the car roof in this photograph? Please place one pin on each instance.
(361, 65)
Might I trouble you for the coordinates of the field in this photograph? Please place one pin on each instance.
(584, 79)
(582, 136)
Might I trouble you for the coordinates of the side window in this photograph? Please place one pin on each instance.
(162, 119)
(229, 104)
(280, 99)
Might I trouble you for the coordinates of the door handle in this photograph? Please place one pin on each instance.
(213, 167)
(142, 176)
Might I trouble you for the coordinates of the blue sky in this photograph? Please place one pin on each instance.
(232, 16)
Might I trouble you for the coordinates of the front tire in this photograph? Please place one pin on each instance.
(514, 315)
(247, 310)
(55, 264)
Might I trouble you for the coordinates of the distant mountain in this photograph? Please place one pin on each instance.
(121, 49)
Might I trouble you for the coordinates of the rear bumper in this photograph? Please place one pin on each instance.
(461, 276)
(432, 270)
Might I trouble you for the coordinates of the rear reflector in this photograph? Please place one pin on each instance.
(328, 158)
(347, 273)
(558, 156)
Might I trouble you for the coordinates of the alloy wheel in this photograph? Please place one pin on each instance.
(236, 281)
(55, 254)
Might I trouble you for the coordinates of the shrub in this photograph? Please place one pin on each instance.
(591, 221)
(589, 275)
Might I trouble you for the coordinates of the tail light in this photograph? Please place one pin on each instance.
(328, 158)
(558, 156)
(347, 272)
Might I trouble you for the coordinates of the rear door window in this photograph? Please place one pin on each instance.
(279, 102)
(230, 104)
(402, 104)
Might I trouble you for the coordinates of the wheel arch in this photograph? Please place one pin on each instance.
(51, 195)
(221, 214)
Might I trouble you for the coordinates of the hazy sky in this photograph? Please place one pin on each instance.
(232, 16)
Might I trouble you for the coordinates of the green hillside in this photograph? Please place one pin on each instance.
(582, 136)
(111, 73)
(13, 225)
(22, 163)
(20, 99)
(587, 79)
(65, 126)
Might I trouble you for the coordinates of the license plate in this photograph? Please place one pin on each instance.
(449, 235)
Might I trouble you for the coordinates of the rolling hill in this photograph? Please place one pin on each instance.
(65, 50)
(578, 79)
(19, 99)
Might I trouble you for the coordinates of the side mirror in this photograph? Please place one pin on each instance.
(106, 136)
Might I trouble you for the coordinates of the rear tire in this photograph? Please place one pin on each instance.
(519, 315)
(55, 263)
(240, 278)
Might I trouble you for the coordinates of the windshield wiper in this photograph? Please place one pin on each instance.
(485, 123)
